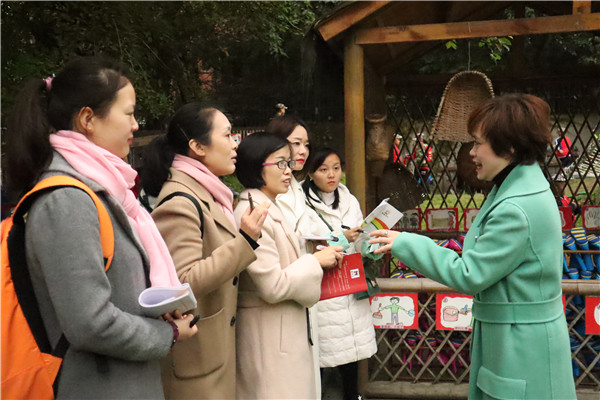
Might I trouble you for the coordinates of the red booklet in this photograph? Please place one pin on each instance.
(348, 279)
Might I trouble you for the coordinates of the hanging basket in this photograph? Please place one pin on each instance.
(463, 93)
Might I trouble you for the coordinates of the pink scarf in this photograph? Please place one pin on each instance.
(219, 191)
(117, 177)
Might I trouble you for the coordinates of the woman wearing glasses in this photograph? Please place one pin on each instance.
(293, 202)
(208, 247)
(275, 358)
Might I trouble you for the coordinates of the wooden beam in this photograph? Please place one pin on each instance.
(354, 119)
(348, 16)
(582, 7)
(477, 29)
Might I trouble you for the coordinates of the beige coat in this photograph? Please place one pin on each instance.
(203, 366)
(275, 359)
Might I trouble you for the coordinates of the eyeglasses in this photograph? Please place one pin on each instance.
(282, 164)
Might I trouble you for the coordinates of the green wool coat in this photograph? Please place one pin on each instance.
(512, 266)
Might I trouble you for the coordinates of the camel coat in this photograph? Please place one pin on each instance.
(512, 265)
(210, 261)
(275, 360)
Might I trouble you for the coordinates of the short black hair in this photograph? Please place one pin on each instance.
(253, 151)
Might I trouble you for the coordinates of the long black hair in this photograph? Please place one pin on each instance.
(315, 160)
(41, 107)
(191, 121)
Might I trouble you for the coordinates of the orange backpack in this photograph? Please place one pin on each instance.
(29, 363)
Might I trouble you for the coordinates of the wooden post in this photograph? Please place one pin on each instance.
(582, 7)
(354, 111)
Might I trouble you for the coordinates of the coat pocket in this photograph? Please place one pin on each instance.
(499, 387)
(205, 352)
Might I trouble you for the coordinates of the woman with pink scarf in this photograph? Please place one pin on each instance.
(113, 350)
(195, 216)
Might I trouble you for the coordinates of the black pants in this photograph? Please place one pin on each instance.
(349, 374)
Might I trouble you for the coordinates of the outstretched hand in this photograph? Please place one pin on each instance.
(385, 238)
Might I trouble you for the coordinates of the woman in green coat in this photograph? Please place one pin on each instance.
(511, 261)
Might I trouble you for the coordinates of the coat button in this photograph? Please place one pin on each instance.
(235, 280)
(232, 321)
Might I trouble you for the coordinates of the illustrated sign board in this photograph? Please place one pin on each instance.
(454, 312)
(592, 315)
(410, 221)
(441, 219)
(395, 311)
(566, 218)
(591, 217)
(469, 216)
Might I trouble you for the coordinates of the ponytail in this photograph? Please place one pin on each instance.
(158, 157)
(53, 103)
(29, 151)
(191, 121)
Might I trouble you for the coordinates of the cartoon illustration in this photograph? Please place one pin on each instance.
(451, 313)
(394, 308)
(377, 314)
(454, 312)
(402, 311)
(451, 219)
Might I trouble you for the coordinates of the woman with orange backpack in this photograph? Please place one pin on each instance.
(113, 349)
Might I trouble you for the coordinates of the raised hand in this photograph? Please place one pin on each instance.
(253, 219)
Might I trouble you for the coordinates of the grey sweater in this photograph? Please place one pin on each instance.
(96, 310)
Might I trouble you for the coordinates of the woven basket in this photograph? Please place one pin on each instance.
(463, 93)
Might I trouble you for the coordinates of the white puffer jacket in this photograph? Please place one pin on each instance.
(346, 332)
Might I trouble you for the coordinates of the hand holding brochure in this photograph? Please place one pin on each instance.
(156, 301)
(348, 279)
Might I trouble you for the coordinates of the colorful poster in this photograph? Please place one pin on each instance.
(454, 312)
(592, 315)
(469, 215)
(441, 219)
(410, 221)
(591, 217)
(566, 218)
(395, 311)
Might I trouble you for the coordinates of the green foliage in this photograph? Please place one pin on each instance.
(451, 44)
(496, 46)
(233, 183)
(167, 45)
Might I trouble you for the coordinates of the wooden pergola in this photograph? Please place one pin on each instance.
(380, 36)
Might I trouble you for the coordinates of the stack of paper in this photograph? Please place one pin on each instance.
(156, 301)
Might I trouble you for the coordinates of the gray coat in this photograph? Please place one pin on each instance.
(97, 310)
